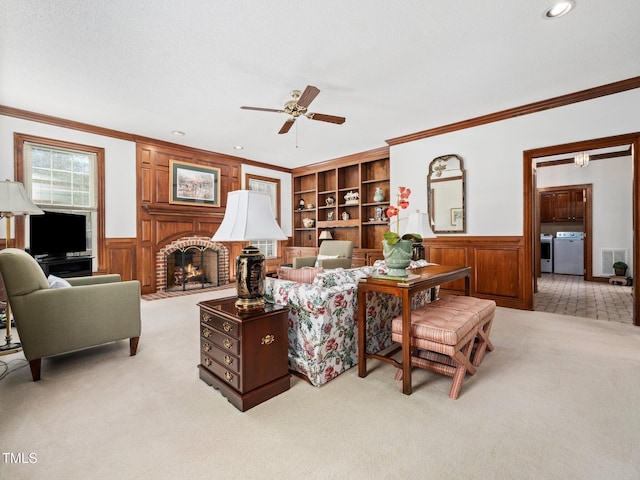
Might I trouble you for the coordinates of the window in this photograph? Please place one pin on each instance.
(62, 180)
(64, 177)
(269, 248)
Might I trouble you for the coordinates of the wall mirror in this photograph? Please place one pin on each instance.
(445, 184)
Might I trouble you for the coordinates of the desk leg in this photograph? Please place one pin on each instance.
(362, 346)
(467, 285)
(406, 342)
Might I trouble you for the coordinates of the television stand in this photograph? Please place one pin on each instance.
(66, 267)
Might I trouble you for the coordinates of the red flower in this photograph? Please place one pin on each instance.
(403, 203)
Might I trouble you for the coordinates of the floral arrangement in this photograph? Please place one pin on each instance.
(393, 211)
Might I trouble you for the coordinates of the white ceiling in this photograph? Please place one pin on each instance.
(149, 67)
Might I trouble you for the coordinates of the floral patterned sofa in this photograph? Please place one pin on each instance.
(323, 321)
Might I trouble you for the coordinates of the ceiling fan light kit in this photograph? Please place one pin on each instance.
(298, 107)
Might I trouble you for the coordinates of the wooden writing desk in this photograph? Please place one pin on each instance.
(418, 280)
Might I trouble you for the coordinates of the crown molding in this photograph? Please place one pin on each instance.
(581, 96)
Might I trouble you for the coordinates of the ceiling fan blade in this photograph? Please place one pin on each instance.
(263, 109)
(326, 118)
(309, 94)
(287, 125)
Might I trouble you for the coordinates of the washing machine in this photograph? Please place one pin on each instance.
(568, 253)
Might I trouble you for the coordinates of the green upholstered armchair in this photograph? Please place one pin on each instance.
(340, 252)
(50, 321)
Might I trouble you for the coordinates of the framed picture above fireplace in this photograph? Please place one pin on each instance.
(191, 184)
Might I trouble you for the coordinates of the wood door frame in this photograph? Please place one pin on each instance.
(531, 232)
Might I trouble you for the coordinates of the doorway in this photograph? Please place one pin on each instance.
(530, 217)
(562, 208)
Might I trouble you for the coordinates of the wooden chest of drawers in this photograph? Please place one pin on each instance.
(244, 355)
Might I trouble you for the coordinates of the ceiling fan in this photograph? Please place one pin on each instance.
(298, 106)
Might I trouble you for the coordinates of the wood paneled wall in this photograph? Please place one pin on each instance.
(496, 266)
(160, 222)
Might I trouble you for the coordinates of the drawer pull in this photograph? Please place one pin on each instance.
(227, 376)
(268, 339)
(227, 343)
(206, 333)
(206, 347)
(227, 326)
(207, 362)
(228, 360)
(206, 317)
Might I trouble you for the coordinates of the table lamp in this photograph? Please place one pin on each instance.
(13, 201)
(419, 223)
(249, 217)
(325, 235)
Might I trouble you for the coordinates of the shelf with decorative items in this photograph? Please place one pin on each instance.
(343, 190)
(374, 219)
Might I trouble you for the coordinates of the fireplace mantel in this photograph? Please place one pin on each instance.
(176, 210)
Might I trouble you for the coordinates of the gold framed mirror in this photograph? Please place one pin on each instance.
(445, 185)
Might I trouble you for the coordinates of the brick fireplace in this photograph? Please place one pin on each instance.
(190, 263)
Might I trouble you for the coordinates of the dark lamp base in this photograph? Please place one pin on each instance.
(417, 251)
(250, 304)
(250, 278)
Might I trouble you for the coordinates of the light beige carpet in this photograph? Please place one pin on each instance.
(557, 399)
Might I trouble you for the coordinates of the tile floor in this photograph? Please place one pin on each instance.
(571, 295)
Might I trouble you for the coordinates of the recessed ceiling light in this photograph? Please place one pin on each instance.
(178, 133)
(558, 9)
(238, 147)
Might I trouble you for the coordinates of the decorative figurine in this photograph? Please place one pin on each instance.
(330, 215)
(301, 204)
(351, 198)
(345, 216)
(378, 196)
(330, 201)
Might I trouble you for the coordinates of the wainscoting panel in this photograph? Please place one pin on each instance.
(450, 255)
(144, 192)
(497, 272)
(121, 257)
(146, 268)
(496, 266)
(172, 228)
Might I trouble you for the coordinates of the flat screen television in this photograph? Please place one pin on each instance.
(56, 234)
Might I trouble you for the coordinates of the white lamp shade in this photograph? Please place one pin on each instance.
(419, 223)
(248, 217)
(15, 201)
(325, 235)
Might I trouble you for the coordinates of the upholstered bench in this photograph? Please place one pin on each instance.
(444, 333)
(486, 310)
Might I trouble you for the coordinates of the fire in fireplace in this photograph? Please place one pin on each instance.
(193, 267)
